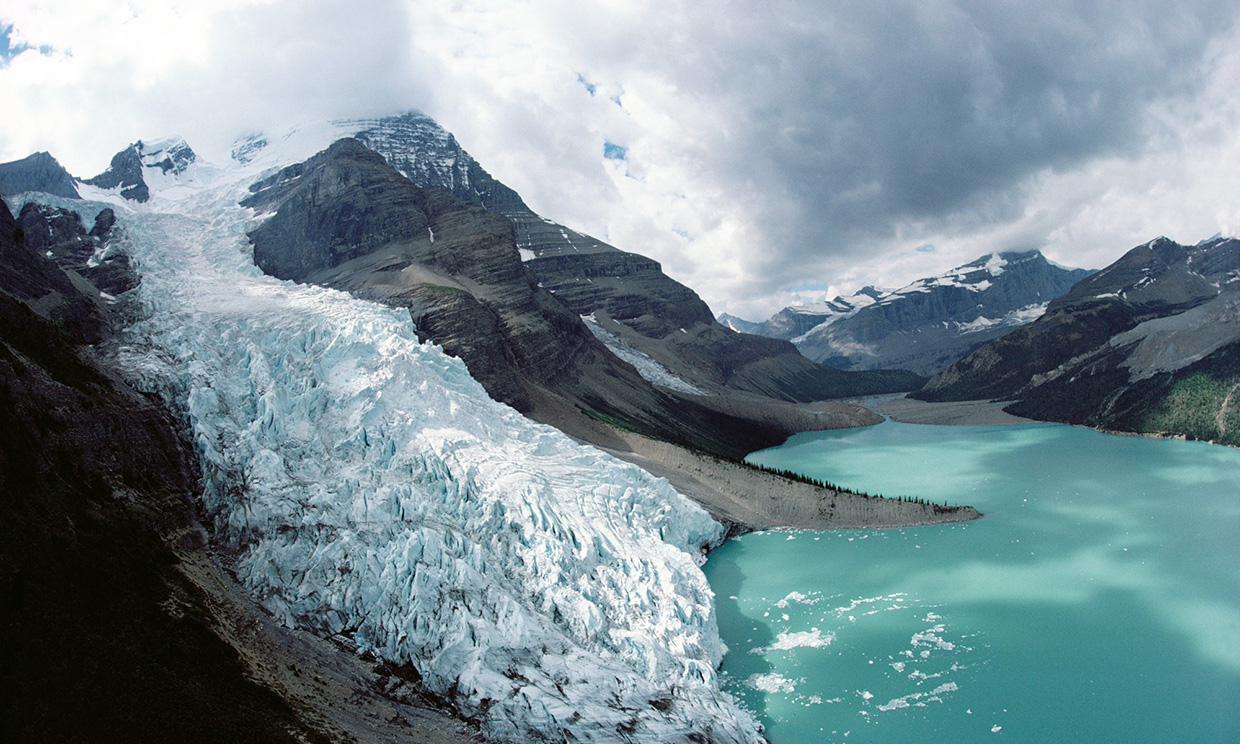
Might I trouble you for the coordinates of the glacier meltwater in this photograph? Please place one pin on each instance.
(368, 487)
(1097, 601)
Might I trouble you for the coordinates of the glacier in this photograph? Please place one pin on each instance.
(367, 488)
(649, 368)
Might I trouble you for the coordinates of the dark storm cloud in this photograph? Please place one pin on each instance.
(755, 149)
(853, 119)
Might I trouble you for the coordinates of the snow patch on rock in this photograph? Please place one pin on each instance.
(645, 365)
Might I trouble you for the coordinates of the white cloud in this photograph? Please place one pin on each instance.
(771, 150)
(205, 70)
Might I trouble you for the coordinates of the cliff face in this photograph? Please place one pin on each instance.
(1148, 344)
(346, 219)
(60, 235)
(628, 294)
(629, 288)
(37, 172)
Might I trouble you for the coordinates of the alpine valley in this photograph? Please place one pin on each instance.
(339, 441)
(1149, 345)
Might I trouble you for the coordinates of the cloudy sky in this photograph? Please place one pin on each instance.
(766, 153)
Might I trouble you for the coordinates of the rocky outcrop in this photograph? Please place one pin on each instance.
(37, 172)
(124, 173)
(346, 219)
(60, 235)
(32, 281)
(129, 167)
(628, 294)
(1148, 344)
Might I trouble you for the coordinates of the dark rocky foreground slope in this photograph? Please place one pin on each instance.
(115, 622)
(1150, 344)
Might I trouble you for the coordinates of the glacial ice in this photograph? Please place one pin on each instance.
(646, 365)
(370, 489)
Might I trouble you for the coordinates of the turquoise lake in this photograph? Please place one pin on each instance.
(1098, 600)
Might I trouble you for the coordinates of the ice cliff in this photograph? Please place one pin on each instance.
(370, 489)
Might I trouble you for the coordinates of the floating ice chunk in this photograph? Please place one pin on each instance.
(792, 597)
(772, 683)
(919, 698)
(789, 640)
(932, 639)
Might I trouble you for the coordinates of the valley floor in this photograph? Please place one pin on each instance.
(954, 413)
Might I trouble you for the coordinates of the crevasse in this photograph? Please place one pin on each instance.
(369, 488)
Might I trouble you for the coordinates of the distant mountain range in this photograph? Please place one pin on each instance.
(1149, 344)
(928, 324)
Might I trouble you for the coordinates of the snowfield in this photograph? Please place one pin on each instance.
(370, 489)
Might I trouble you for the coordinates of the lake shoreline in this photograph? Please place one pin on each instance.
(746, 499)
(953, 413)
(989, 413)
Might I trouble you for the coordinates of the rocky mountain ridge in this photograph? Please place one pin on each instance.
(37, 172)
(347, 220)
(1149, 344)
(627, 294)
(929, 323)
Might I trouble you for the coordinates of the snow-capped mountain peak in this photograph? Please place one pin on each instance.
(171, 155)
(928, 323)
(146, 167)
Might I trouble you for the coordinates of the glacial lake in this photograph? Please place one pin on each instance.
(1098, 600)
